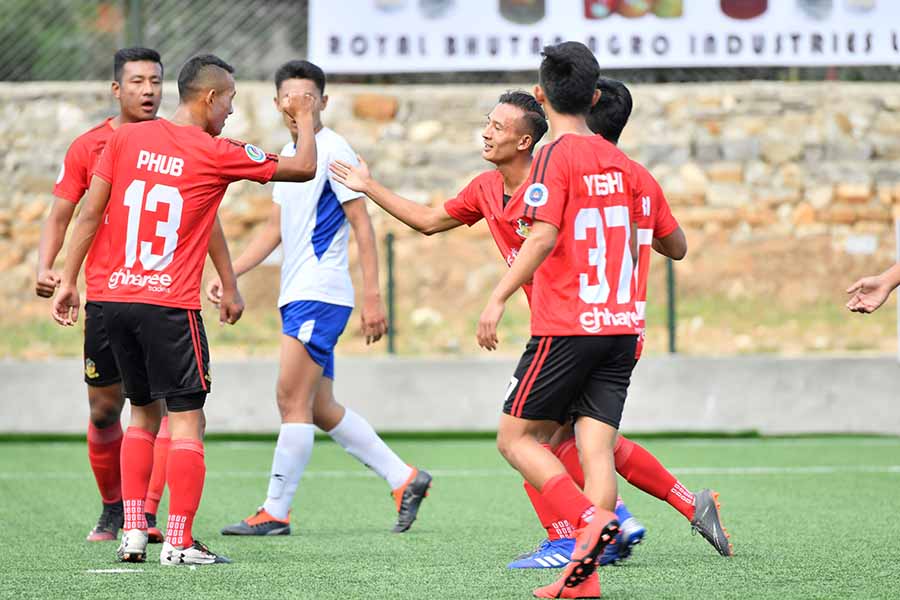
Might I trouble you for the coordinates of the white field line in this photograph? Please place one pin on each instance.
(113, 571)
(485, 473)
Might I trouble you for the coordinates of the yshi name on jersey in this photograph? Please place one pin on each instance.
(604, 184)
(160, 163)
(595, 319)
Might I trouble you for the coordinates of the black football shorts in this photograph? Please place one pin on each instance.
(161, 352)
(563, 377)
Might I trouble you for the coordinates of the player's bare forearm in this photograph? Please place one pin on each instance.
(673, 245)
(891, 277)
(364, 234)
(86, 228)
(540, 243)
(424, 219)
(303, 165)
(53, 233)
(262, 244)
(221, 257)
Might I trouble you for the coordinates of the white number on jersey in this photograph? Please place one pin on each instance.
(167, 230)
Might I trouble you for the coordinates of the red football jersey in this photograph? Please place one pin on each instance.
(75, 174)
(167, 182)
(482, 198)
(584, 186)
(654, 220)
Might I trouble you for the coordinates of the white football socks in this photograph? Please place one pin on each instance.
(292, 452)
(358, 438)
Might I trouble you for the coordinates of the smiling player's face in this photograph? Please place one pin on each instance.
(502, 135)
(301, 86)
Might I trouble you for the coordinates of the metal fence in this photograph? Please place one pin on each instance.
(75, 40)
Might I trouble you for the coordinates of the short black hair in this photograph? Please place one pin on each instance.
(127, 55)
(534, 117)
(300, 69)
(610, 115)
(193, 69)
(568, 76)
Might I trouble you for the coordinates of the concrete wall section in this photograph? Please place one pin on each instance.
(770, 395)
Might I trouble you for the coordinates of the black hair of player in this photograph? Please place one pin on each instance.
(610, 115)
(300, 69)
(534, 117)
(568, 75)
(127, 55)
(192, 69)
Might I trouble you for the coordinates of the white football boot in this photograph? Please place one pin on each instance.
(195, 554)
(133, 547)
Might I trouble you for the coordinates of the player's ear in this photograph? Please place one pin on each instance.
(210, 97)
(539, 94)
(596, 97)
(524, 142)
(324, 101)
(116, 89)
(277, 104)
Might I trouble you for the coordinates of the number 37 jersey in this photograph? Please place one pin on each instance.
(584, 186)
(166, 185)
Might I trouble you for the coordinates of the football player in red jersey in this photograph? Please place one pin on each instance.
(513, 127)
(156, 190)
(137, 85)
(578, 363)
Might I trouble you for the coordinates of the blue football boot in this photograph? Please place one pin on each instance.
(549, 555)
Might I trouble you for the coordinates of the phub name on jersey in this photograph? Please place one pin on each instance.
(157, 282)
(595, 319)
(160, 163)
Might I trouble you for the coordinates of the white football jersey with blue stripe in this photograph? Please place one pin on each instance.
(314, 230)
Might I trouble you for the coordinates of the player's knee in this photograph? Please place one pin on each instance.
(506, 444)
(106, 405)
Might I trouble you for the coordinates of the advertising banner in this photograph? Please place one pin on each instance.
(391, 36)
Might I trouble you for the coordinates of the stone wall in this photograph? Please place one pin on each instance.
(786, 190)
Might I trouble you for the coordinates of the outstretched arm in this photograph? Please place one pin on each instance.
(869, 293)
(424, 219)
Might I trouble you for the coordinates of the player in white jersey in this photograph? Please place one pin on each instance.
(312, 221)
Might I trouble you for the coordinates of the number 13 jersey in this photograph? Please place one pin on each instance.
(584, 186)
(167, 182)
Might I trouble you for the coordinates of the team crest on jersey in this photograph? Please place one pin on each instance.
(523, 228)
(90, 369)
(255, 154)
(536, 195)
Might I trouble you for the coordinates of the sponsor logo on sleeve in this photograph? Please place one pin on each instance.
(523, 228)
(255, 154)
(536, 195)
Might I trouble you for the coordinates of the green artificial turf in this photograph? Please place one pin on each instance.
(810, 518)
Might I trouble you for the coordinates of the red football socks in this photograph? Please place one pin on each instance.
(137, 462)
(185, 475)
(104, 446)
(567, 453)
(642, 470)
(158, 475)
(566, 500)
(556, 528)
